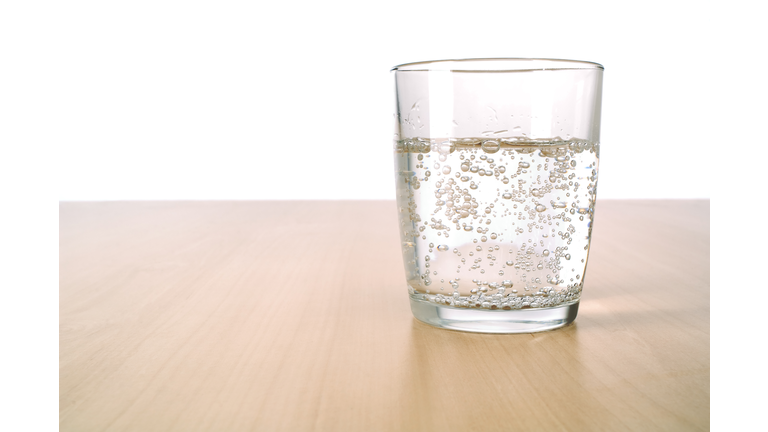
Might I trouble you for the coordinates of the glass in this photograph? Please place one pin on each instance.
(496, 175)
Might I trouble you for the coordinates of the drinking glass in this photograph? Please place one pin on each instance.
(496, 165)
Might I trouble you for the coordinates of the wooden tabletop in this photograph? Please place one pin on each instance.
(263, 315)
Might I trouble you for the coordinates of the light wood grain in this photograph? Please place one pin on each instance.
(233, 316)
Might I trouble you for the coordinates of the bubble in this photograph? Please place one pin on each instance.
(567, 256)
(474, 169)
(442, 248)
(447, 147)
(479, 248)
(507, 196)
(464, 178)
(483, 238)
(490, 146)
(510, 263)
(446, 170)
(502, 169)
(524, 165)
(465, 167)
(540, 208)
(540, 266)
(426, 258)
(545, 252)
(468, 228)
(501, 272)
(493, 236)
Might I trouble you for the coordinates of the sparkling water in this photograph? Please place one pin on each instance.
(495, 223)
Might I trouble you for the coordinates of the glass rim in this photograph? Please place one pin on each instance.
(501, 64)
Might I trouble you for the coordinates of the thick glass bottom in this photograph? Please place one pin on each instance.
(494, 321)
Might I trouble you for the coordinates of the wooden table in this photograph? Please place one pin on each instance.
(257, 315)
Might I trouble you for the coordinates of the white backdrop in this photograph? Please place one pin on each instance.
(286, 100)
(107, 100)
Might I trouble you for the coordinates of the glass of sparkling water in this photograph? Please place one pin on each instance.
(496, 176)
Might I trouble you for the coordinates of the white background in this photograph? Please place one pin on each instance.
(293, 100)
(108, 100)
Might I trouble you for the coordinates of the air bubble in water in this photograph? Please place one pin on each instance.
(540, 208)
(442, 248)
(490, 146)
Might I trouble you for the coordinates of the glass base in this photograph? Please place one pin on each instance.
(494, 321)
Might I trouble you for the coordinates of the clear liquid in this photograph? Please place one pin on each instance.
(495, 224)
